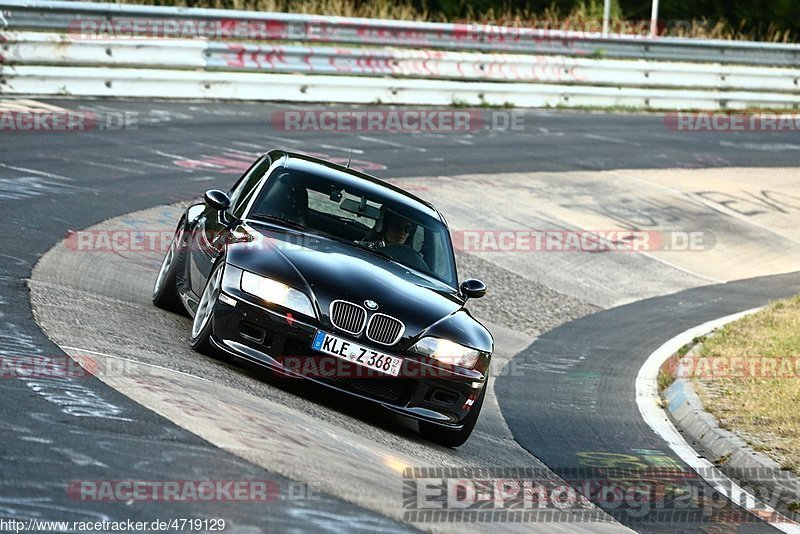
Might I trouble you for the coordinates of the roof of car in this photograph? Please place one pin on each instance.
(362, 180)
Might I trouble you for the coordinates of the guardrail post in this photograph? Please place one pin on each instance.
(654, 19)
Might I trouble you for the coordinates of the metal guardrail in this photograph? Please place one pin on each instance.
(220, 64)
(64, 16)
(30, 48)
(164, 83)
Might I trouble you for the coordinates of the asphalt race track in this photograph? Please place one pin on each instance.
(580, 364)
(572, 329)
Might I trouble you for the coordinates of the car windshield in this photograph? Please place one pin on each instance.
(363, 218)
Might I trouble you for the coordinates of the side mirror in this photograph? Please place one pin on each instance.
(217, 199)
(473, 289)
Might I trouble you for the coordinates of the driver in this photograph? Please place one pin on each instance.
(395, 229)
(395, 233)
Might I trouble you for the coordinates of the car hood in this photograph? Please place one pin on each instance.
(329, 270)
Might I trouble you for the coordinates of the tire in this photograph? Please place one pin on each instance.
(455, 438)
(165, 291)
(203, 322)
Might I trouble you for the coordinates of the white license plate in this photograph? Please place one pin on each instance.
(353, 352)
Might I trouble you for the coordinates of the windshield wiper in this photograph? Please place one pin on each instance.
(276, 218)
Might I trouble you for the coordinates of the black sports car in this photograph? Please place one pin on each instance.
(323, 272)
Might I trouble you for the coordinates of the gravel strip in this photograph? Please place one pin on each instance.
(517, 302)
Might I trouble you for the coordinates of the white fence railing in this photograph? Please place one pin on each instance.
(162, 83)
(71, 61)
(43, 49)
(83, 17)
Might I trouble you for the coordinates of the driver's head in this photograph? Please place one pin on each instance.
(396, 229)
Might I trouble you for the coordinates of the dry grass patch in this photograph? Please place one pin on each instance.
(760, 400)
(584, 16)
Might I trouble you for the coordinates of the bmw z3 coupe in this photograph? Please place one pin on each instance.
(319, 271)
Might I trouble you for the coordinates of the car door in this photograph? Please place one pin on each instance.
(209, 237)
(212, 226)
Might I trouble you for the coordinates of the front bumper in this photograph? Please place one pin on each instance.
(423, 390)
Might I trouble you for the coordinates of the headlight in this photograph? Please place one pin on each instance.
(447, 351)
(277, 293)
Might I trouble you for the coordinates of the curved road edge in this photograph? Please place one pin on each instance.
(142, 352)
(692, 422)
(581, 377)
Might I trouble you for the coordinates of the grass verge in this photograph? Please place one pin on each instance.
(748, 376)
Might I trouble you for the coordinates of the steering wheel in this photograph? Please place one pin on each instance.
(406, 255)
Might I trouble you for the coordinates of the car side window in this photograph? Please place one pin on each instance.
(247, 184)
